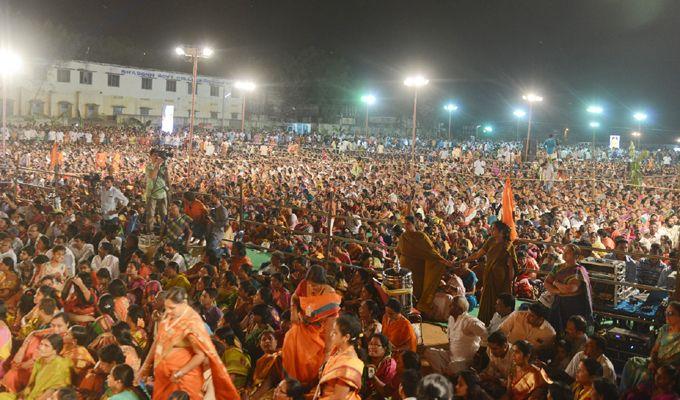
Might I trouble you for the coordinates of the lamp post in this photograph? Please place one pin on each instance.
(519, 114)
(637, 135)
(593, 126)
(531, 98)
(10, 63)
(415, 82)
(640, 117)
(596, 110)
(245, 87)
(450, 108)
(193, 54)
(369, 100)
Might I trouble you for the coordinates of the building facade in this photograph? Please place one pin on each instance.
(89, 90)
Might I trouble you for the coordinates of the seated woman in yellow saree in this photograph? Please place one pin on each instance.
(236, 361)
(524, 378)
(306, 345)
(50, 372)
(341, 374)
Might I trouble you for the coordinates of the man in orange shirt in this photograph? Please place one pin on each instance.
(199, 214)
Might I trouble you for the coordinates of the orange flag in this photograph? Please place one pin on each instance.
(508, 209)
(55, 156)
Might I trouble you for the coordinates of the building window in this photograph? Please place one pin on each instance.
(114, 80)
(37, 107)
(64, 75)
(189, 88)
(213, 114)
(118, 110)
(64, 109)
(144, 111)
(170, 85)
(234, 115)
(92, 110)
(214, 91)
(147, 83)
(85, 77)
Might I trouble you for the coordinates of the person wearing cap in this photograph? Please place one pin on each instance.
(530, 325)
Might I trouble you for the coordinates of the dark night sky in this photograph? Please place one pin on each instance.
(483, 53)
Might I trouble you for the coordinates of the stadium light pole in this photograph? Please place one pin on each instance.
(593, 127)
(369, 100)
(594, 109)
(519, 114)
(10, 63)
(193, 54)
(415, 82)
(245, 87)
(531, 98)
(450, 108)
(637, 135)
(640, 117)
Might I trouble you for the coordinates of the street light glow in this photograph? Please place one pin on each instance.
(532, 98)
(594, 124)
(519, 113)
(636, 134)
(247, 86)
(10, 62)
(179, 50)
(450, 107)
(640, 116)
(595, 109)
(416, 81)
(368, 99)
(207, 52)
(488, 129)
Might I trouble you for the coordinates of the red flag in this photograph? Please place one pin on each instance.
(508, 209)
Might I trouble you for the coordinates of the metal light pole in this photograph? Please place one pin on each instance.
(10, 63)
(415, 82)
(519, 114)
(194, 53)
(598, 110)
(593, 125)
(640, 117)
(531, 98)
(369, 100)
(450, 108)
(245, 87)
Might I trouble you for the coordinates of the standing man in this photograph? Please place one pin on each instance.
(156, 173)
(550, 145)
(111, 198)
(219, 219)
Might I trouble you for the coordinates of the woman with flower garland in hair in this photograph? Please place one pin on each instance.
(341, 374)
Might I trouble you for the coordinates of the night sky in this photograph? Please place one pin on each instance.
(481, 53)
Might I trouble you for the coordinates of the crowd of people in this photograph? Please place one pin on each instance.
(126, 272)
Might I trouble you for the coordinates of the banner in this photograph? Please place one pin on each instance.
(167, 123)
(614, 141)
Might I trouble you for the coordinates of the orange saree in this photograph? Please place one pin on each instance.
(175, 342)
(401, 334)
(342, 368)
(304, 345)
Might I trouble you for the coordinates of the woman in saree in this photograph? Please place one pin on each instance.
(268, 369)
(499, 269)
(236, 361)
(314, 306)
(5, 338)
(382, 370)
(181, 347)
(81, 301)
(524, 378)
(666, 351)
(50, 372)
(417, 253)
(570, 285)
(121, 384)
(588, 370)
(341, 374)
(75, 340)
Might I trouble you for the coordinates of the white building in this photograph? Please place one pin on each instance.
(79, 89)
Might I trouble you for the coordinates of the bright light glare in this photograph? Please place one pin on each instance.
(488, 129)
(677, 140)
(594, 124)
(368, 99)
(532, 97)
(595, 109)
(636, 134)
(519, 113)
(179, 50)
(640, 116)
(416, 81)
(10, 62)
(247, 86)
(450, 107)
(207, 52)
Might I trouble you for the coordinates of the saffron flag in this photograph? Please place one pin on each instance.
(508, 202)
(55, 156)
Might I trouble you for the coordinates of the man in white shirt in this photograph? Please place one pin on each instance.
(465, 334)
(170, 254)
(81, 250)
(479, 167)
(111, 198)
(494, 377)
(594, 349)
(106, 260)
(531, 326)
(6, 249)
(505, 305)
